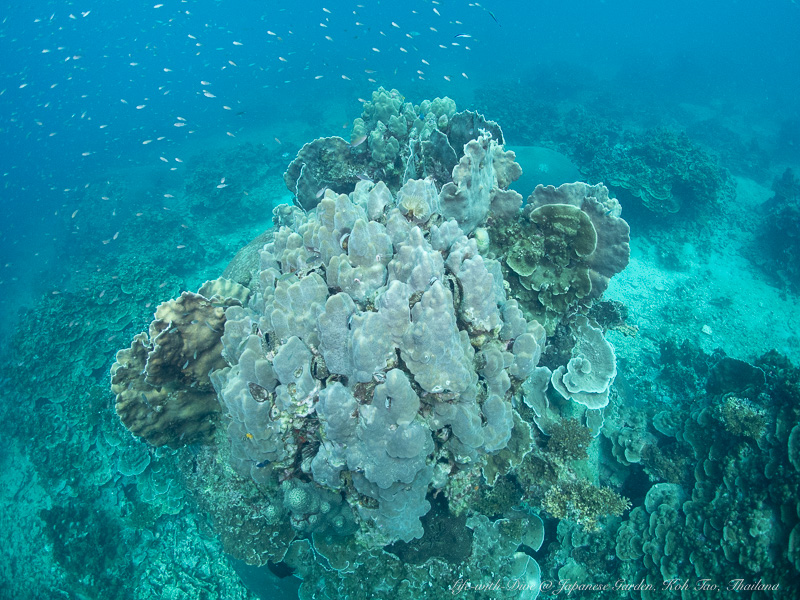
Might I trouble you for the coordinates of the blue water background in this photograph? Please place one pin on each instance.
(84, 85)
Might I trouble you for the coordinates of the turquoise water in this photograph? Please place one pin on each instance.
(144, 145)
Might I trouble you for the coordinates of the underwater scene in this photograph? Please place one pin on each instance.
(419, 300)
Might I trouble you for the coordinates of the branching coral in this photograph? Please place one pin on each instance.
(583, 503)
(569, 440)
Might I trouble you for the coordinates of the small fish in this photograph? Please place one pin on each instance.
(462, 35)
(356, 142)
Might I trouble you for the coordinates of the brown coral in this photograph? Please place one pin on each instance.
(163, 391)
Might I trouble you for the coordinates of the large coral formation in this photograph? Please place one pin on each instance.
(361, 352)
(371, 374)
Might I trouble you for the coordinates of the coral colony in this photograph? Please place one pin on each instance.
(364, 386)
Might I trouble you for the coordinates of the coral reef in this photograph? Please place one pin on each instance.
(734, 517)
(778, 245)
(369, 356)
(664, 170)
(660, 169)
